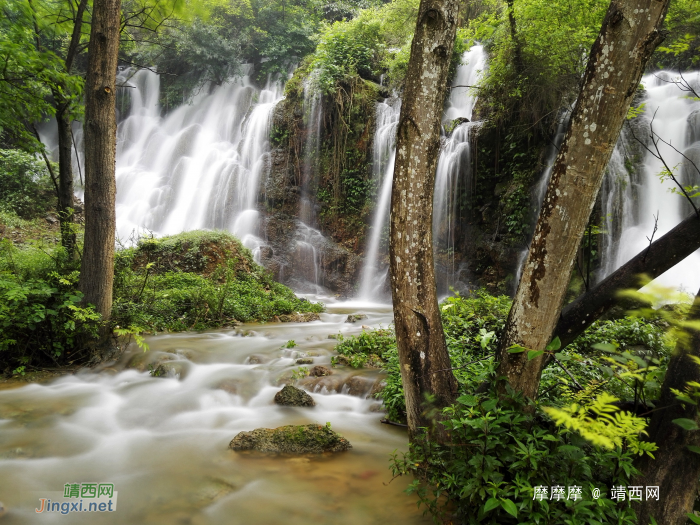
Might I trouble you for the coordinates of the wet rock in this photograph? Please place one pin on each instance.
(291, 439)
(320, 371)
(377, 387)
(353, 318)
(299, 317)
(256, 359)
(232, 386)
(332, 336)
(170, 369)
(305, 361)
(294, 397)
(358, 386)
(341, 360)
(332, 383)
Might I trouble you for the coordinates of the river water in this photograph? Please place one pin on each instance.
(163, 441)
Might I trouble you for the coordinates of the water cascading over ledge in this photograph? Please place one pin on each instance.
(200, 166)
(453, 173)
(632, 193)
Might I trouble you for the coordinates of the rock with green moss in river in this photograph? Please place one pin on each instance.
(291, 439)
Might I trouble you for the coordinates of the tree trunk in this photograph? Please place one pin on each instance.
(663, 254)
(629, 35)
(97, 269)
(429, 384)
(65, 178)
(676, 469)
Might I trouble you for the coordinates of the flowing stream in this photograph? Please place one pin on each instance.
(163, 441)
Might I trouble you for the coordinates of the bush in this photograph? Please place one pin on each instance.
(196, 280)
(25, 186)
(501, 451)
(41, 318)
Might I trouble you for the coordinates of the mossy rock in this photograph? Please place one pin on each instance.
(291, 396)
(353, 318)
(291, 439)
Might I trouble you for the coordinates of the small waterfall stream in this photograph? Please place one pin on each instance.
(454, 165)
(631, 199)
(384, 154)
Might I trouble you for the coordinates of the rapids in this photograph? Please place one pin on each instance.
(163, 441)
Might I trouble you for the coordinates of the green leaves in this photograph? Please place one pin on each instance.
(686, 424)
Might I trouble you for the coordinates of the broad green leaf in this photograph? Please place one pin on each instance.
(686, 424)
(510, 507)
(693, 448)
(516, 349)
(532, 354)
(554, 345)
(491, 504)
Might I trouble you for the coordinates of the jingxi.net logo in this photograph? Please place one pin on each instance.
(80, 497)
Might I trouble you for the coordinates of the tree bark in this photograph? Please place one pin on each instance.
(661, 255)
(97, 269)
(629, 35)
(676, 469)
(65, 178)
(428, 383)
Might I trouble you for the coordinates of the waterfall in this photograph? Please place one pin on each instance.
(198, 167)
(631, 200)
(540, 189)
(454, 165)
(383, 156)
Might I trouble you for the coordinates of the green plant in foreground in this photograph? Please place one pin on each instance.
(501, 451)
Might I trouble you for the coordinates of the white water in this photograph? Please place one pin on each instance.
(163, 441)
(384, 154)
(635, 202)
(454, 165)
(199, 167)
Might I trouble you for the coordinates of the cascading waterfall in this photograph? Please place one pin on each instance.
(310, 241)
(201, 165)
(383, 156)
(454, 163)
(631, 201)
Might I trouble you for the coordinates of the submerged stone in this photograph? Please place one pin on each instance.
(293, 397)
(291, 439)
(353, 318)
(320, 371)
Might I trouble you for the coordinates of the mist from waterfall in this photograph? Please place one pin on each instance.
(632, 200)
(454, 165)
(198, 167)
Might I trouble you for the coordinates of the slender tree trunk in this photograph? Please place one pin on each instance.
(629, 35)
(429, 384)
(662, 254)
(676, 469)
(65, 178)
(97, 269)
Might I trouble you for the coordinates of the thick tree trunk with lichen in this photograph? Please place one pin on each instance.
(629, 34)
(429, 384)
(97, 269)
(675, 469)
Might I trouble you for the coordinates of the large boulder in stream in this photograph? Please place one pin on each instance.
(291, 439)
(291, 396)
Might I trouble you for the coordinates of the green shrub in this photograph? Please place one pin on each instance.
(42, 320)
(25, 186)
(196, 280)
(499, 453)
